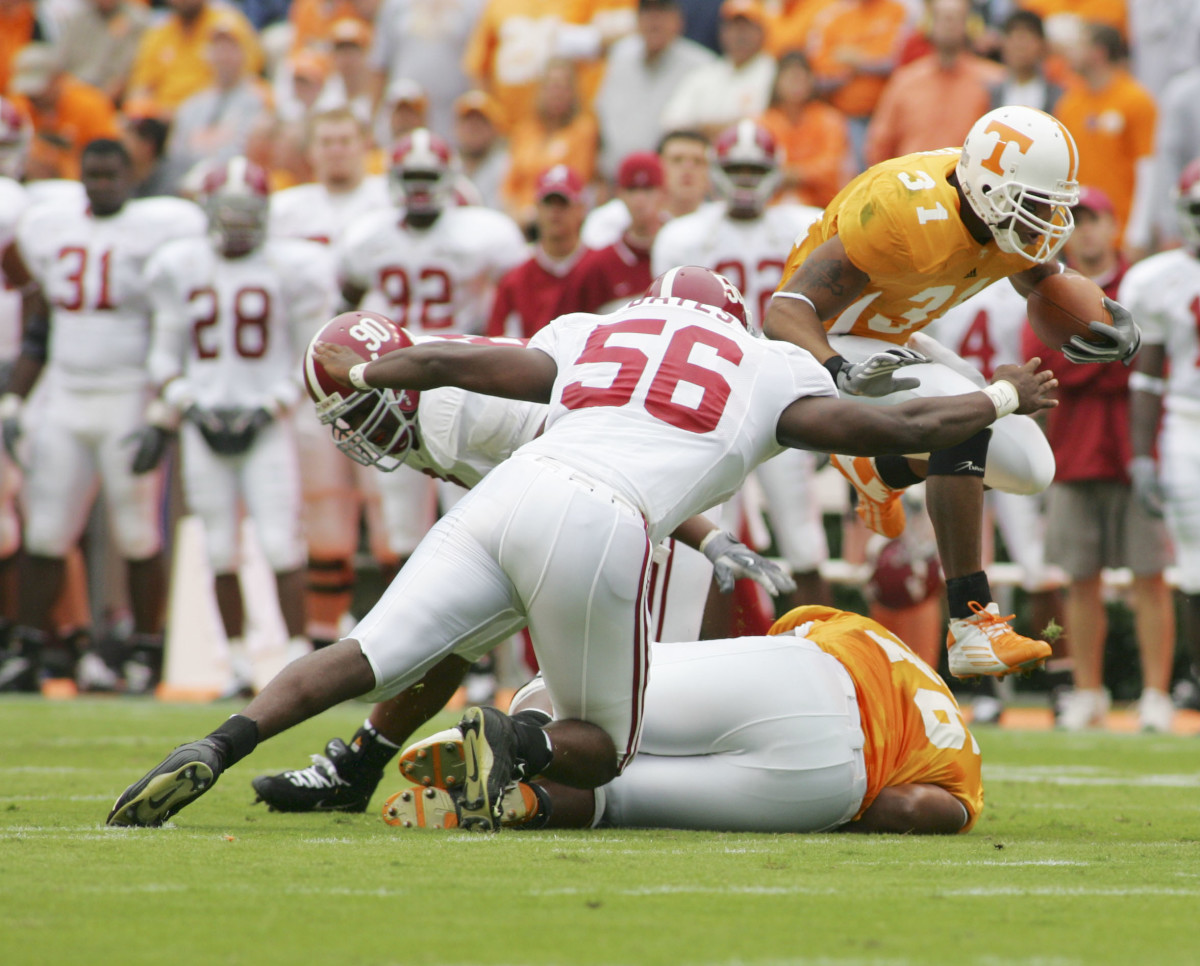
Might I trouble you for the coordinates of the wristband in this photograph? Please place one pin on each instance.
(834, 365)
(356, 377)
(708, 538)
(1004, 397)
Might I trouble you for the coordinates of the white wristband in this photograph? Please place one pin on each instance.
(1144, 382)
(709, 538)
(1004, 397)
(357, 379)
(795, 295)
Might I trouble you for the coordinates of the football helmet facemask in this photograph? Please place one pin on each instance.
(235, 196)
(374, 428)
(746, 167)
(15, 133)
(421, 176)
(1019, 170)
(701, 285)
(1187, 206)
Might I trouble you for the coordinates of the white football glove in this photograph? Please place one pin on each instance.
(1124, 335)
(874, 376)
(1147, 487)
(733, 560)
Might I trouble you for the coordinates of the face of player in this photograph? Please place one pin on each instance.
(338, 153)
(382, 429)
(685, 173)
(107, 181)
(745, 200)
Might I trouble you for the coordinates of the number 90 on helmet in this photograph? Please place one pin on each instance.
(1019, 171)
(376, 427)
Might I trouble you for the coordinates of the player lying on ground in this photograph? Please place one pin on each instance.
(831, 723)
(461, 436)
(657, 411)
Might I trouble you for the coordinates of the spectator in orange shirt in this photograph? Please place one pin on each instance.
(934, 100)
(21, 23)
(792, 24)
(813, 135)
(312, 20)
(172, 59)
(560, 132)
(66, 113)
(1110, 12)
(1112, 117)
(853, 50)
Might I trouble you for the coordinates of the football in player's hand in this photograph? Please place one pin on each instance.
(1062, 305)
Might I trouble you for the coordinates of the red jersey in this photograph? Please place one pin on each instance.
(605, 279)
(1089, 428)
(527, 296)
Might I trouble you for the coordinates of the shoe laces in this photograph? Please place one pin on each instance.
(993, 626)
(322, 773)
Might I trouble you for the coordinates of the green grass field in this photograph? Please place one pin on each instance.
(1088, 852)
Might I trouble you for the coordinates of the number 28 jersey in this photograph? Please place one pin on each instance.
(915, 733)
(669, 402)
(899, 223)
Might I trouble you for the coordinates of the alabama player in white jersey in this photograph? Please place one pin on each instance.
(450, 434)
(337, 492)
(232, 315)
(656, 412)
(1164, 292)
(89, 266)
(742, 237)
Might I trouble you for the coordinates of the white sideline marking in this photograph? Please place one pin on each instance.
(1068, 892)
(1083, 775)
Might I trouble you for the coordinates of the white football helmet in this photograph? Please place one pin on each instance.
(15, 132)
(1187, 206)
(374, 428)
(746, 167)
(421, 175)
(1019, 171)
(235, 196)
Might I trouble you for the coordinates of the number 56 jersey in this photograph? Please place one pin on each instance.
(914, 731)
(899, 222)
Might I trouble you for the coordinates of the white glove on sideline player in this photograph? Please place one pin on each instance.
(733, 560)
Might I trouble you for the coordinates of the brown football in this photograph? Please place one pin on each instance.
(1062, 306)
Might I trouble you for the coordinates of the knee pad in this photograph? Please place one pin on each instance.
(968, 458)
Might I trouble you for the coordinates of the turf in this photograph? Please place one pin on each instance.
(1088, 852)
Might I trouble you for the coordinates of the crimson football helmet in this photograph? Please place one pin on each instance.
(905, 573)
(746, 167)
(14, 140)
(701, 285)
(374, 428)
(421, 176)
(235, 196)
(1019, 171)
(1187, 205)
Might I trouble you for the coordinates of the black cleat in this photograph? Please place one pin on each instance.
(338, 781)
(489, 757)
(183, 776)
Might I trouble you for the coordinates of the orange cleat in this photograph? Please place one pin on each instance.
(879, 505)
(436, 761)
(985, 643)
(436, 808)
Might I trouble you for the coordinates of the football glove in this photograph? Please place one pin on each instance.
(229, 432)
(1147, 488)
(152, 442)
(875, 375)
(1125, 338)
(733, 560)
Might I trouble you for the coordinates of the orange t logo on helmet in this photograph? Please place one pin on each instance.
(1007, 136)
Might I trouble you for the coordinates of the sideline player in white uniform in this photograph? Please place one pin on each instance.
(89, 264)
(830, 723)
(233, 313)
(657, 411)
(432, 266)
(336, 491)
(461, 436)
(743, 237)
(1164, 292)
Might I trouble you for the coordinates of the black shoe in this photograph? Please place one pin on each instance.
(18, 674)
(183, 776)
(60, 655)
(142, 668)
(338, 781)
(489, 756)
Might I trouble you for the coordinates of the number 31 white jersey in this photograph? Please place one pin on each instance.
(669, 402)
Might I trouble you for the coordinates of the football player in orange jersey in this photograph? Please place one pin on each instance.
(903, 242)
(829, 723)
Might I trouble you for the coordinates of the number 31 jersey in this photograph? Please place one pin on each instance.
(914, 730)
(899, 223)
(670, 402)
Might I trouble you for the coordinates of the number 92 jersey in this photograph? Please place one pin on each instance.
(914, 730)
(899, 223)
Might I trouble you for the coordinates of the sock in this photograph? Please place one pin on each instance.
(372, 749)
(235, 739)
(960, 591)
(535, 716)
(895, 471)
(533, 747)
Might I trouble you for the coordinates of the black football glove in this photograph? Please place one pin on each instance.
(1124, 339)
(152, 444)
(229, 432)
